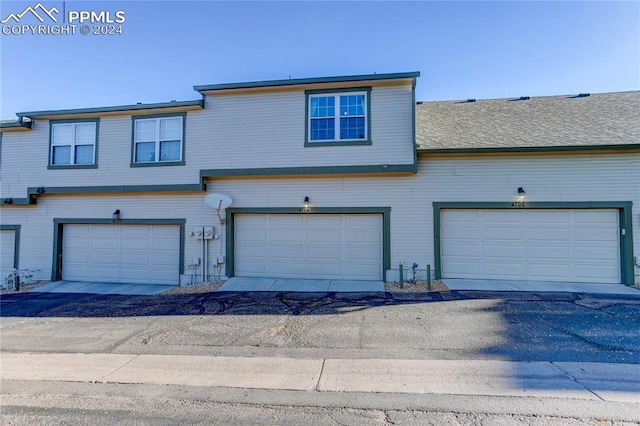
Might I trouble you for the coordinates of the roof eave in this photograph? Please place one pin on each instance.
(167, 107)
(305, 81)
(15, 126)
(523, 149)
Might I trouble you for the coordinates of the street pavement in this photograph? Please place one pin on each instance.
(570, 356)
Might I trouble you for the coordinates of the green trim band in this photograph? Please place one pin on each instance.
(58, 190)
(198, 104)
(58, 233)
(498, 150)
(318, 170)
(18, 202)
(384, 211)
(316, 80)
(625, 220)
(15, 126)
(16, 243)
(35, 192)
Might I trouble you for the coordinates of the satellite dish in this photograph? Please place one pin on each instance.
(218, 201)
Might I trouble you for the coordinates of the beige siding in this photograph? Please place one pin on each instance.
(25, 159)
(598, 177)
(239, 131)
(268, 130)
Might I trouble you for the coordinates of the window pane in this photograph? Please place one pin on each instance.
(323, 129)
(62, 134)
(145, 130)
(61, 155)
(170, 151)
(85, 133)
(171, 128)
(322, 106)
(84, 154)
(352, 128)
(145, 152)
(352, 105)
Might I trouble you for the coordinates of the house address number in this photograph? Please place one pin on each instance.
(519, 204)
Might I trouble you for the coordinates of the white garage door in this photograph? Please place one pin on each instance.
(346, 247)
(538, 245)
(144, 254)
(7, 253)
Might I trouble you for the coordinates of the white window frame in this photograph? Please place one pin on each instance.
(336, 117)
(157, 139)
(72, 144)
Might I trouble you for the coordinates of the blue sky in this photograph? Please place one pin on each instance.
(462, 49)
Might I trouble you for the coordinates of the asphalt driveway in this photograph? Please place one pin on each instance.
(570, 327)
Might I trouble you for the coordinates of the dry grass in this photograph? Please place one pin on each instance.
(194, 288)
(24, 287)
(418, 287)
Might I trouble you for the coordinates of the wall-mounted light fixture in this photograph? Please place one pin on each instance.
(522, 195)
(305, 205)
(116, 216)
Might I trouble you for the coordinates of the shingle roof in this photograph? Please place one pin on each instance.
(549, 121)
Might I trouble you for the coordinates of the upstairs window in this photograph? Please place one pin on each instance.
(338, 117)
(73, 143)
(158, 140)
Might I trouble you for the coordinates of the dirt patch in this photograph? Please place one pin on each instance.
(419, 286)
(23, 287)
(392, 287)
(194, 288)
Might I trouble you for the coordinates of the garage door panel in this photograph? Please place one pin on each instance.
(578, 245)
(502, 217)
(360, 221)
(324, 235)
(321, 253)
(251, 268)
(588, 272)
(310, 246)
(121, 253)
(134, 259)
(103, 230)
(250, 222)
(286, 235)
(597, 216)
(285, 220)
(540, 218)
(293, 251)
(561, 253)
(503, 268)
(286, 269)
(556, 234)
(505, 251)
(323, 221)
(595, 254)
(502, 234)
(250, 234)
(97, 242)
(363, 253)
(461, 232)
(358, 236)
(103, 274)
(596, 234)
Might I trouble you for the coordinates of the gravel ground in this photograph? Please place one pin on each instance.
(392, 287)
